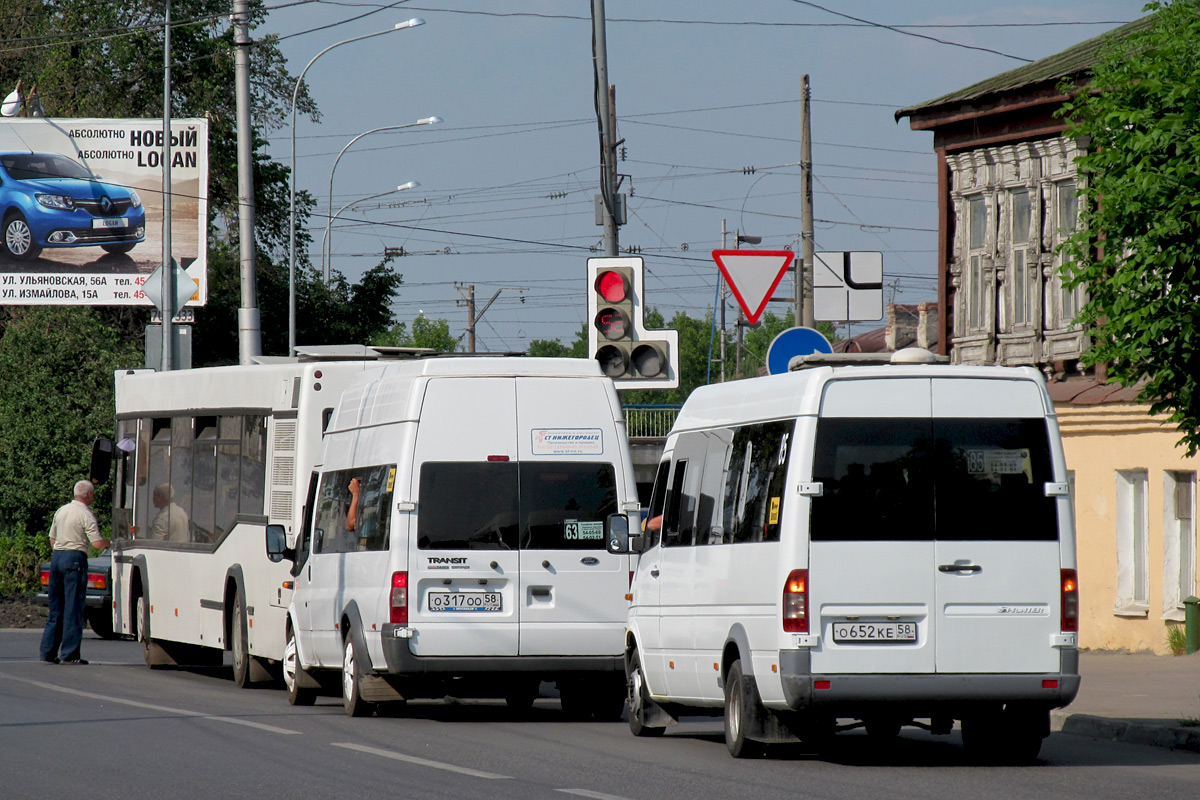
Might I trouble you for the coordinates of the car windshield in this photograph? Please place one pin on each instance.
(33, 166)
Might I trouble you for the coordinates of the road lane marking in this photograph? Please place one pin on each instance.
(151, 707)
(424, 762)
(591, 794)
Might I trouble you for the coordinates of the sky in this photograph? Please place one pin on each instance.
(707, 103)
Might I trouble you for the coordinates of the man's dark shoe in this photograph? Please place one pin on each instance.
(74, 661)
(51, 660)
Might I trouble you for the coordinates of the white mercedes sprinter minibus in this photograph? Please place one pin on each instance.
(880, 545)
(455, 538)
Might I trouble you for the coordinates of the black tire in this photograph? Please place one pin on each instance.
(291, 669)
(882, 729)
(118, 249)
(573, 696)
(239, 638)
(519, 696)
(352, 699)
(1013, 736)
(100, 621)
(741, 705)
(143, 632)
(638, 698)
(608, 700)
(17, 240)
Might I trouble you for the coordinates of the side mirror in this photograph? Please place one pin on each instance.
(277, 549)
(618, 533)
(102, 457)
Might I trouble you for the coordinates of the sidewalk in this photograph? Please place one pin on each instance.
(1136, 697)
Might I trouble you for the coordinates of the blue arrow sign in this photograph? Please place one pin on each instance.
(794, 342)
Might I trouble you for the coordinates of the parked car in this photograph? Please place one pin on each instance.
(98, 604)
(49, 200)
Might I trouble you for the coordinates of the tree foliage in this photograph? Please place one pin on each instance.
(431, 333)
(56, 396)
(1138, 251)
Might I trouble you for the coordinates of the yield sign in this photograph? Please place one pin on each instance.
(752, 276)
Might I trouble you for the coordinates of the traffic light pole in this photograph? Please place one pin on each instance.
(604, 115)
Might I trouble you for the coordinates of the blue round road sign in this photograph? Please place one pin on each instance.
(794, 342)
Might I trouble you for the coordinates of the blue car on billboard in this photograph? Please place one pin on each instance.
(49, 200)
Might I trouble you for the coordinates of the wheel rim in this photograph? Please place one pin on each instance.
(348, 668)
(237, 637)
(290, 664)
(733, 714)
(18, 237)
(636, 707)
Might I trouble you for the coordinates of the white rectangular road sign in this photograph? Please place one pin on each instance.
(848, 287)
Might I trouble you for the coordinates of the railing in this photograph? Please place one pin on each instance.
(650, 421)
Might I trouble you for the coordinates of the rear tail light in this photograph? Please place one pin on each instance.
(399, 598)
(795, 602)
(45, 578)
(1070, 600)
(97, 580)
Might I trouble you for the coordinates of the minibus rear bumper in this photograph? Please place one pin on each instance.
(401, 661)
(805, 690)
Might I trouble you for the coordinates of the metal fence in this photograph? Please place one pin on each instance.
(650, 421)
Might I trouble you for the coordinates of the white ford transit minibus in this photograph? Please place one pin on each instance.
(888, 544)
(455, 537)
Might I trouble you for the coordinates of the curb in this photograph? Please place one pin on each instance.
(1128, 731)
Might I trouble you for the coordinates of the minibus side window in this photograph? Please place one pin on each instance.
(754, 482)
(670, 526)
(348, 524)
(658, 498)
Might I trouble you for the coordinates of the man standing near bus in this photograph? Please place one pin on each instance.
(74, 528)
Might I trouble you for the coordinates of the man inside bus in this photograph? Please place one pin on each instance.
(171, 522)
(74, 528)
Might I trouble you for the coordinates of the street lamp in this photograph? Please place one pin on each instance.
(412, 23)
(329, 206)
(400, 188)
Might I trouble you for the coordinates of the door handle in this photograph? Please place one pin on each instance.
(654, 572)
(960, 568)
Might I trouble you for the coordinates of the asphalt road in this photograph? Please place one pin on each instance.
(116, 729)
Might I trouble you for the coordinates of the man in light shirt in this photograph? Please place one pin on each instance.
(171, 522)
(74, 528)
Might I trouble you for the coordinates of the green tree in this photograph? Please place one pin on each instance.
(431, 333)
(554, 348)
(57, 395)
(1138, 248)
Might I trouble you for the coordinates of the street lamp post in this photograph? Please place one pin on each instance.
(412, 23)
(400, 188)
(329, 206)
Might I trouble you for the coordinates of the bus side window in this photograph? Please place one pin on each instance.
(658, 497)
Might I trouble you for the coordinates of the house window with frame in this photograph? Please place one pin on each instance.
(977, 226)
(1179, 541)
(1022, 255)
(1067, 221)
(1133, 577)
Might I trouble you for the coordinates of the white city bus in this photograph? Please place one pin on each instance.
(206, 458)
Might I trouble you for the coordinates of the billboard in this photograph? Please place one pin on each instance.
(81, 208)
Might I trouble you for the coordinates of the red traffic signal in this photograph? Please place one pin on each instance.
(613, 286)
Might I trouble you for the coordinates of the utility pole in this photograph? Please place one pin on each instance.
(721, 283)
(804, 270)
(168, 267)
(468, 299)
(605, 117)
(249, 321)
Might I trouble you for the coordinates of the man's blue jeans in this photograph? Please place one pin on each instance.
(67, 591)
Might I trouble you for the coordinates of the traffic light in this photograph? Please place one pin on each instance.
(617, 338)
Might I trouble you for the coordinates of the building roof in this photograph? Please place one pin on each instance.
(1074, 61)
